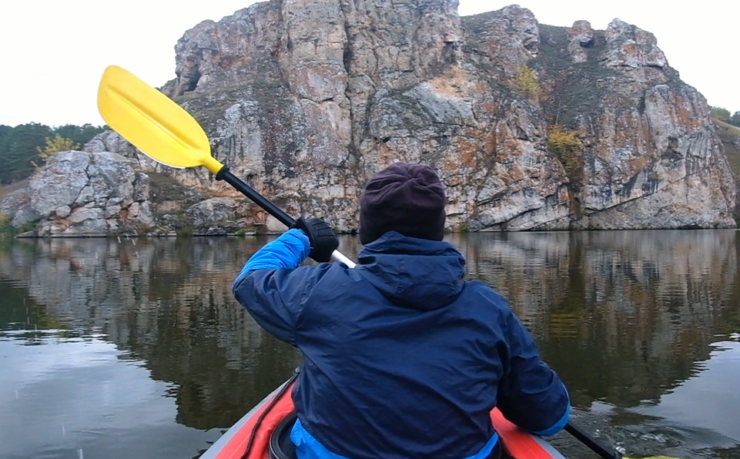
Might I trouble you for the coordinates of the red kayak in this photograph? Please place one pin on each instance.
(264, 433)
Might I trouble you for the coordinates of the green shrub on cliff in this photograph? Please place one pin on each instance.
(5, 227)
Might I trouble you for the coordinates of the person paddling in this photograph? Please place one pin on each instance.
(403, 358)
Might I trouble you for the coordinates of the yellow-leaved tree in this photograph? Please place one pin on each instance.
(526, 82)
(567, 148)
(54, 145)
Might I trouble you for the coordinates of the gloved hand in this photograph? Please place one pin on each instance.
(320, 236)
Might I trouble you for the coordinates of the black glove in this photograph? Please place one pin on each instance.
(320, 236)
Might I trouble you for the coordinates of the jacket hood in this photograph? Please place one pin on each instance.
(416, 273)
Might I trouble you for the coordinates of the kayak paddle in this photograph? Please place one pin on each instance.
(165, 132)
(598, 448)
(591, 442)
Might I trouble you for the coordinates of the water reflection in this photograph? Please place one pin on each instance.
(628, 318)
(166, 307)
(624, 316)
(704, 400)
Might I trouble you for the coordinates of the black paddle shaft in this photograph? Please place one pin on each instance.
(587, 440)
(226, 175)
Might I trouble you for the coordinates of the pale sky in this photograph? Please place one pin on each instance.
(55, 51)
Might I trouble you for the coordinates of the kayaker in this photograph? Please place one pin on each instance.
(403, 358)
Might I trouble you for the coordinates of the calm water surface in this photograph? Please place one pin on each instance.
(136, 348)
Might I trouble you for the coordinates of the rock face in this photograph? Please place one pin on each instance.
(82, 194)
(530, 126)
(307, 100)
(650, 156)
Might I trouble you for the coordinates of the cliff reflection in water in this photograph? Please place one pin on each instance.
(623, 316)
(166, 302)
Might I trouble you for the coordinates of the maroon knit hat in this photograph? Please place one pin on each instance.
(404, 197)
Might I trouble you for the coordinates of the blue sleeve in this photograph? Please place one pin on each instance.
(287, 251)
(530, 394)
(269, 287)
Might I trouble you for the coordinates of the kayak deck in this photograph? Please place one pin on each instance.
(254, 429)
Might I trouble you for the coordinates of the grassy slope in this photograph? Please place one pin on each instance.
(728, 133)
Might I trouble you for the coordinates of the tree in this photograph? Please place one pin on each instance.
(79, 134)
(526, 82)
(4, 132)
(567, 148)
(56, 144)
(721, 113)
(735, 119)
(19, 148)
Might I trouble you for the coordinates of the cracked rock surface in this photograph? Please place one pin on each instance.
(82, 194)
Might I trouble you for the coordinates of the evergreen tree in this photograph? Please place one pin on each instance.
(735, 119)
(4, 132)
(27, 145)
(20, 147)
(721, 113)
(79, 135)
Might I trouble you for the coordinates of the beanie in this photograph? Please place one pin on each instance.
(405, 197)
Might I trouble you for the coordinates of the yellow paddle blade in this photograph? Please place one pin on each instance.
(152, 122)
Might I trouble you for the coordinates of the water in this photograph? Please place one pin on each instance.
(136, 348)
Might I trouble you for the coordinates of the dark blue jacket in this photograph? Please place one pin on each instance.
(402, 357)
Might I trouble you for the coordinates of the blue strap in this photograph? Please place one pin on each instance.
(287, 251)
(308, 447)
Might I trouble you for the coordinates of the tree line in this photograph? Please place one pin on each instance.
(724, 115)
(25, 147)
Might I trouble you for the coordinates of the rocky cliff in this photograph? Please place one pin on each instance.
(82, 194)
(530, 126)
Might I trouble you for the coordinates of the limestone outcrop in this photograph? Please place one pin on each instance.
(82, 194)
(307, 101)
(531, 127)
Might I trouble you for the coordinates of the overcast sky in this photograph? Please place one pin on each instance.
(55, 51)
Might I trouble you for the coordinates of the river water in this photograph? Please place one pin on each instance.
(135, 348)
